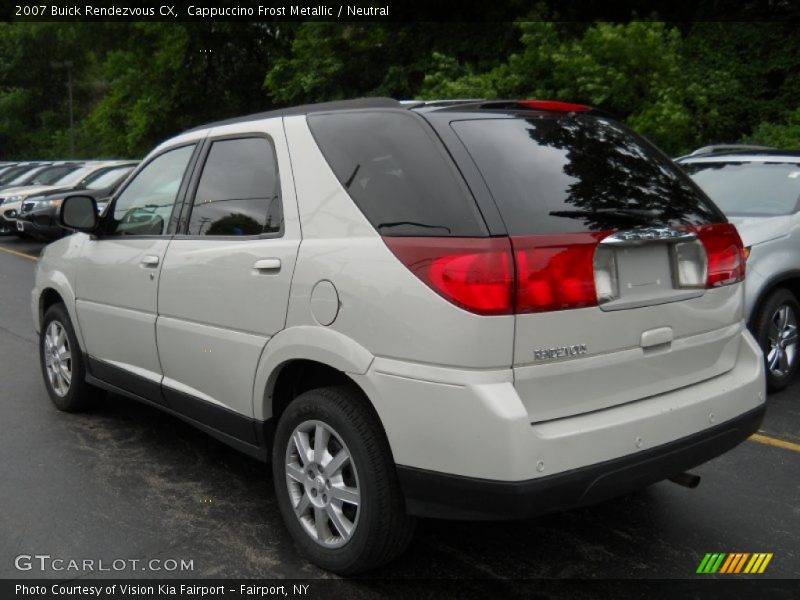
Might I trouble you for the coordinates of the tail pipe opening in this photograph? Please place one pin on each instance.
(688, 480)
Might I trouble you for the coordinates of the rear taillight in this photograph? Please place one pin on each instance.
(725, 251)
(555, 272)
(528, 274)
(474, 273)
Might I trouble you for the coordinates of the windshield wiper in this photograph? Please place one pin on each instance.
(412, 223)
(350, 179)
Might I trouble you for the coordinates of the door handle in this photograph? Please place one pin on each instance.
(267, 264)
(149, 260)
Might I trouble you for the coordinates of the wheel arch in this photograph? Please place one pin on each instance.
(789, 280)
(305, 360)
(316, 353)
(58, 289)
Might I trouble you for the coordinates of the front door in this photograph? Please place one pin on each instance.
(117, 285)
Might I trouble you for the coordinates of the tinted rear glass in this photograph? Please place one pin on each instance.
(757, 188)
(579, 173)
(239, 191)
(398, 173)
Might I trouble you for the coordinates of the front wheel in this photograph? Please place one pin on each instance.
(62, 363)
(336, 484)
(776, 331)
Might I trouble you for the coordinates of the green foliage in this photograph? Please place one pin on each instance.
(138, 83)
(785, 134)
(331, 61)
(635, 71)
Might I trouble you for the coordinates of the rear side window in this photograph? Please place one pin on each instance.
(239, 190)
(579, 173)
(397, 172)
(54, 175)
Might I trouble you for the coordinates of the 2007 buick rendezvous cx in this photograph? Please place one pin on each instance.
(462, 309)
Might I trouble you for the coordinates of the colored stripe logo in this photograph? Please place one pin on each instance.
(733, 563)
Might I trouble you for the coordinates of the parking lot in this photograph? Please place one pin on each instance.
(128, 482)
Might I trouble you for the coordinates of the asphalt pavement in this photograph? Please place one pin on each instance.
(127, 482)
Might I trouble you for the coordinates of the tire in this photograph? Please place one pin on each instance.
(379, 528)
(72, 393)
(778, 338)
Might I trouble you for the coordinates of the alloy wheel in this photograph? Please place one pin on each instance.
(58, 358)
(782, 338)
(322, 482)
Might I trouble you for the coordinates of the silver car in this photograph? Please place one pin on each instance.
(760, 193)
(491, 309)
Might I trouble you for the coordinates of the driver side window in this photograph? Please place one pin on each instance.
(145, 205)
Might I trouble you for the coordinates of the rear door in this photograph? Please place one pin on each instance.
(225, 282)
(581, 194)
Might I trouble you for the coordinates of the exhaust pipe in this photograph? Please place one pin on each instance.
(687, 480)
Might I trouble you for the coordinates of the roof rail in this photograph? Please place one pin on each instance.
(728, 148)
(435, 103)
(305, 109)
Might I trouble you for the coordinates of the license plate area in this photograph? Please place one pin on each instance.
(645, 277)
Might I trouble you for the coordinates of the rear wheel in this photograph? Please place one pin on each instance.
(62, 363)
(336, 484)
(776, 331)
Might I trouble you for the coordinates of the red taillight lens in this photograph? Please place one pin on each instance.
(726, 253)
(555, 272)
(527, 274)
(474, 273)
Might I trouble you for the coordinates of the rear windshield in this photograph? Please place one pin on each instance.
(756, 188)
(579, 173)
(397, 172)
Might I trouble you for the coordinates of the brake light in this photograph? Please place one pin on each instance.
(474, 273)
(725, 251)
(539, 273)
(554, 105)
(555, 272)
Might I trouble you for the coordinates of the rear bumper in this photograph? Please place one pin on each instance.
(439, 495)
(452, 431)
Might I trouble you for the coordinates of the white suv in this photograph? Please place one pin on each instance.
(465, 310)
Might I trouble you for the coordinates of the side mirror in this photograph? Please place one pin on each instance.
(78, 213)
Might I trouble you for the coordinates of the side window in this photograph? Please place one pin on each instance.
(239, 190)
(145, 206)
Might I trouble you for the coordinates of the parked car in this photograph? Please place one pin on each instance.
(38, 215)
(491, 309)
(43, 174)
(67, 176)
(9, 174)
(759, 191)
(31, 181)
